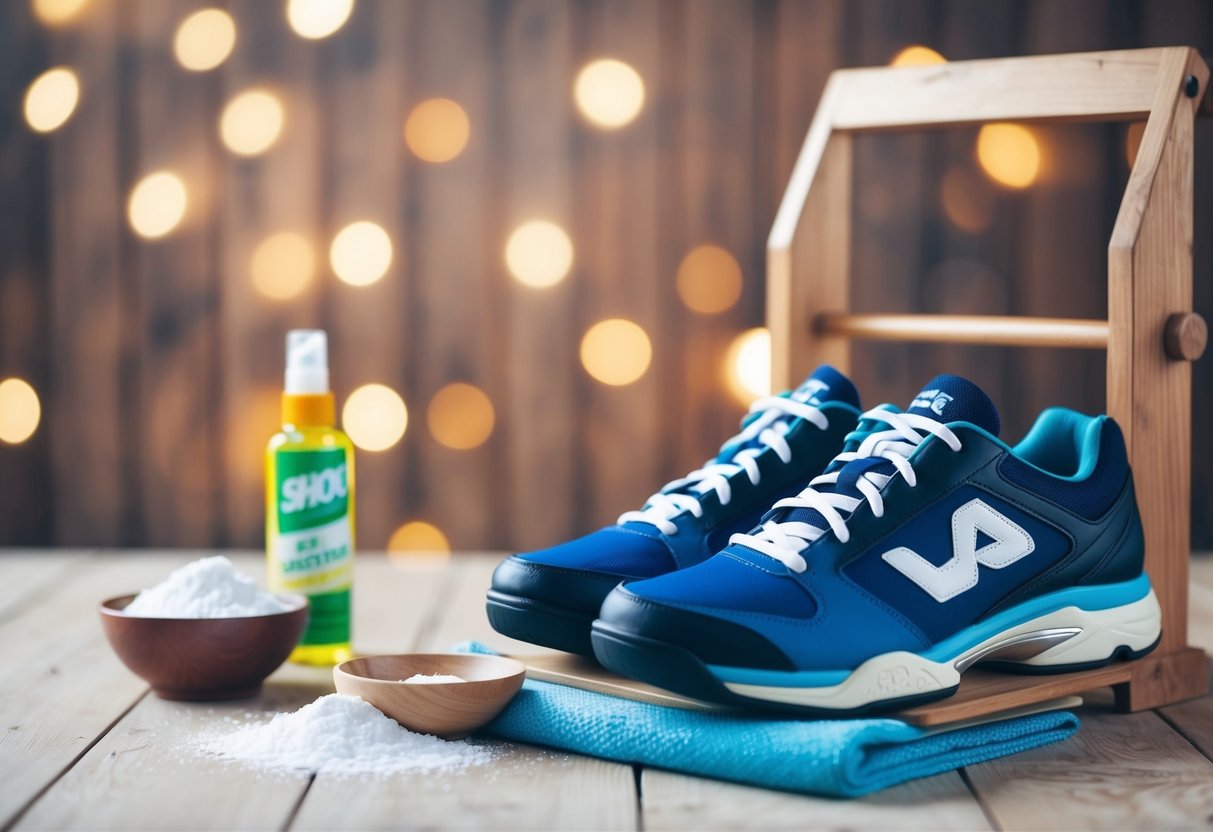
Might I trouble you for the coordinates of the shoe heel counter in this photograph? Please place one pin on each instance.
(1125, 560)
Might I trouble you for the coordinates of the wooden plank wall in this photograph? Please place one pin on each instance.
(158, 364)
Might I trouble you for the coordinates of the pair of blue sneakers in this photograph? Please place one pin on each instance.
(834, 563)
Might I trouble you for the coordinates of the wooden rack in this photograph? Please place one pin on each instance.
(1150, 336)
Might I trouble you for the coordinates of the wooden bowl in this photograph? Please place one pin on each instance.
(204, 659)
(447, 709)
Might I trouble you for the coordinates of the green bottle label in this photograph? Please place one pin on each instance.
(314, 547)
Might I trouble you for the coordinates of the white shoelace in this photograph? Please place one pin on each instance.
(660, 508)
(785, 541)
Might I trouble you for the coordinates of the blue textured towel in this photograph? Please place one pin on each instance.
(838, 758)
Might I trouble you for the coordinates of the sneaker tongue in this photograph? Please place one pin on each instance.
(827, 385)
(948, 398)
(945, 398)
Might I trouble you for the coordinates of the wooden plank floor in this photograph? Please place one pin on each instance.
(84, 746)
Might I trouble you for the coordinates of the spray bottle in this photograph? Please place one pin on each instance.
(309, 509)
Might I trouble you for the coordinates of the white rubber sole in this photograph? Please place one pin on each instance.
(1064, 637)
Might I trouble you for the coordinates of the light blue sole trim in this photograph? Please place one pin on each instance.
(1091, 598)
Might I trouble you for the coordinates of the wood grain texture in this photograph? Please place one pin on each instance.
(95, 482)
(52, 709)
(811, 273)
(443, 207)
(274, 193)
(1068, 333)
(1100, 85)
(629, 271)
(29, 575)
(26, 509)
(1200, 606)
(540, 421)
(362, 144)
(1120, 771)
(891, 262)
(675, 801)
(1149, 278)
(143, 774)
(713, 181)
(176, 291)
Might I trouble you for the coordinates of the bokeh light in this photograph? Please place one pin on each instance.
(251, 122)
(709, 279)
(374, 417)
(205, 39)
(609, 93)
(157, 204)
(616, 351)
(361, 253)
(1009, 154)
(461, 416)
(418, 544)
(747, 369)
(315, 19)
(20, 411)
(966, 200)
(254, 417)
(58, 12)
(917, 55)
(539, 253)
(437, 130)
(51, 99)
(1133, 141)
(283, 265)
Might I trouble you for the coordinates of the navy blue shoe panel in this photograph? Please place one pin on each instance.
(714, 639)
(578, 591)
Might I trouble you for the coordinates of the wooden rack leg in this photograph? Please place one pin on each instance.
(1160, 680)
(814, 275)
(1149, 394)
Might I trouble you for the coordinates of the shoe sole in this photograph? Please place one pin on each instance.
(538, 623)
(1065, 639)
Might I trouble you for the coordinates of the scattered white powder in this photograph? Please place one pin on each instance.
(207, 588)
(431, 679)
(342, 736)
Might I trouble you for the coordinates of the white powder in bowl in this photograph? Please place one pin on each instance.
(342, 736)
(431, 679)
(207, 588)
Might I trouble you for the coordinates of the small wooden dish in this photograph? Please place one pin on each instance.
(446, 709)
(203, 659)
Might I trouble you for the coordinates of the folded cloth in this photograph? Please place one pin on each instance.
(836, 758)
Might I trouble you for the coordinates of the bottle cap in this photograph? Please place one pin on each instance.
(307, 362)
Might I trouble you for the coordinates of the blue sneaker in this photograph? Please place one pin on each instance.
(551, 597)
(927, 547)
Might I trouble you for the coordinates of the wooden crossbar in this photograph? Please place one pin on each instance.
(1097, 86)
(987, 330)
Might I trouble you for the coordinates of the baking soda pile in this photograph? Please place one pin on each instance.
(342, 736)
(206, 588)
(431, 679)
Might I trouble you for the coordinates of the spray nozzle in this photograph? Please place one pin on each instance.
(307, 362)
